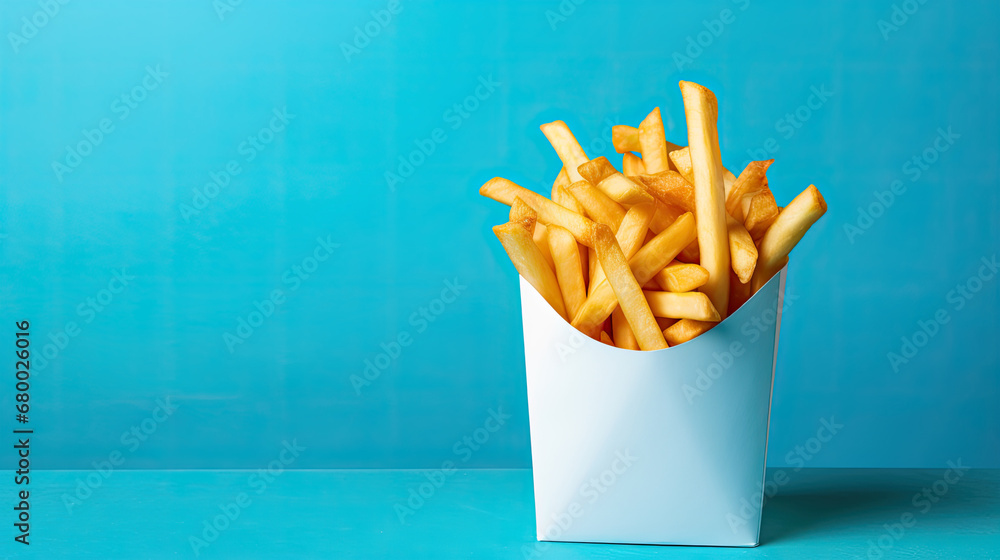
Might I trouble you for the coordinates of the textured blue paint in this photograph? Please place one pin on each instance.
(818, 513)
(324, 175)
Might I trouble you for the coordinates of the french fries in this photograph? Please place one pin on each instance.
(670, 187)
(659, 252)
(793, 222)
(702, 110)
(566, 146)
(530, 263)
(742, 251)
(625, 138)
(653, 143)
(688, 305)
(623, 336)
(568, 267)
(761, 213)
(523, 214)
(750, 181)
(562, 197)
(627, 291)
(632, 165)
(681, 277)
(686, 329)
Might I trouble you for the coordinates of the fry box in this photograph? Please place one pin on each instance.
(659, 447)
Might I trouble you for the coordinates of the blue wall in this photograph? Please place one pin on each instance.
(202, 261)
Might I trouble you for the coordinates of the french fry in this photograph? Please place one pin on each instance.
(523, 214)
(761, 213)
(596, 170)
(742, 251)
(686, 329)
(602, 174)
(653, 143)
(630, 235)
(786, 231)
(562, 197)
(566, 146)
(568, 267)
(625, 138)
(632, 165)
(606, 339)
(530, 263)
(541, 238)
(681, 277)
(626, 290)
(681, 160)
(701, 110)
(670, 187)
(549, 213)
(750, 181)
(649, 260)
(599, 207)
(623, 336)
(687, 305)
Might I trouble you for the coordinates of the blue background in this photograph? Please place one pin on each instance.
(324, 175)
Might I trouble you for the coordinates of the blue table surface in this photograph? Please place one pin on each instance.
(818, 513)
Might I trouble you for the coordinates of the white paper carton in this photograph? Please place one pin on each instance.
(661, 447)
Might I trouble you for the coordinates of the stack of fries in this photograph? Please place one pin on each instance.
(658, 253)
